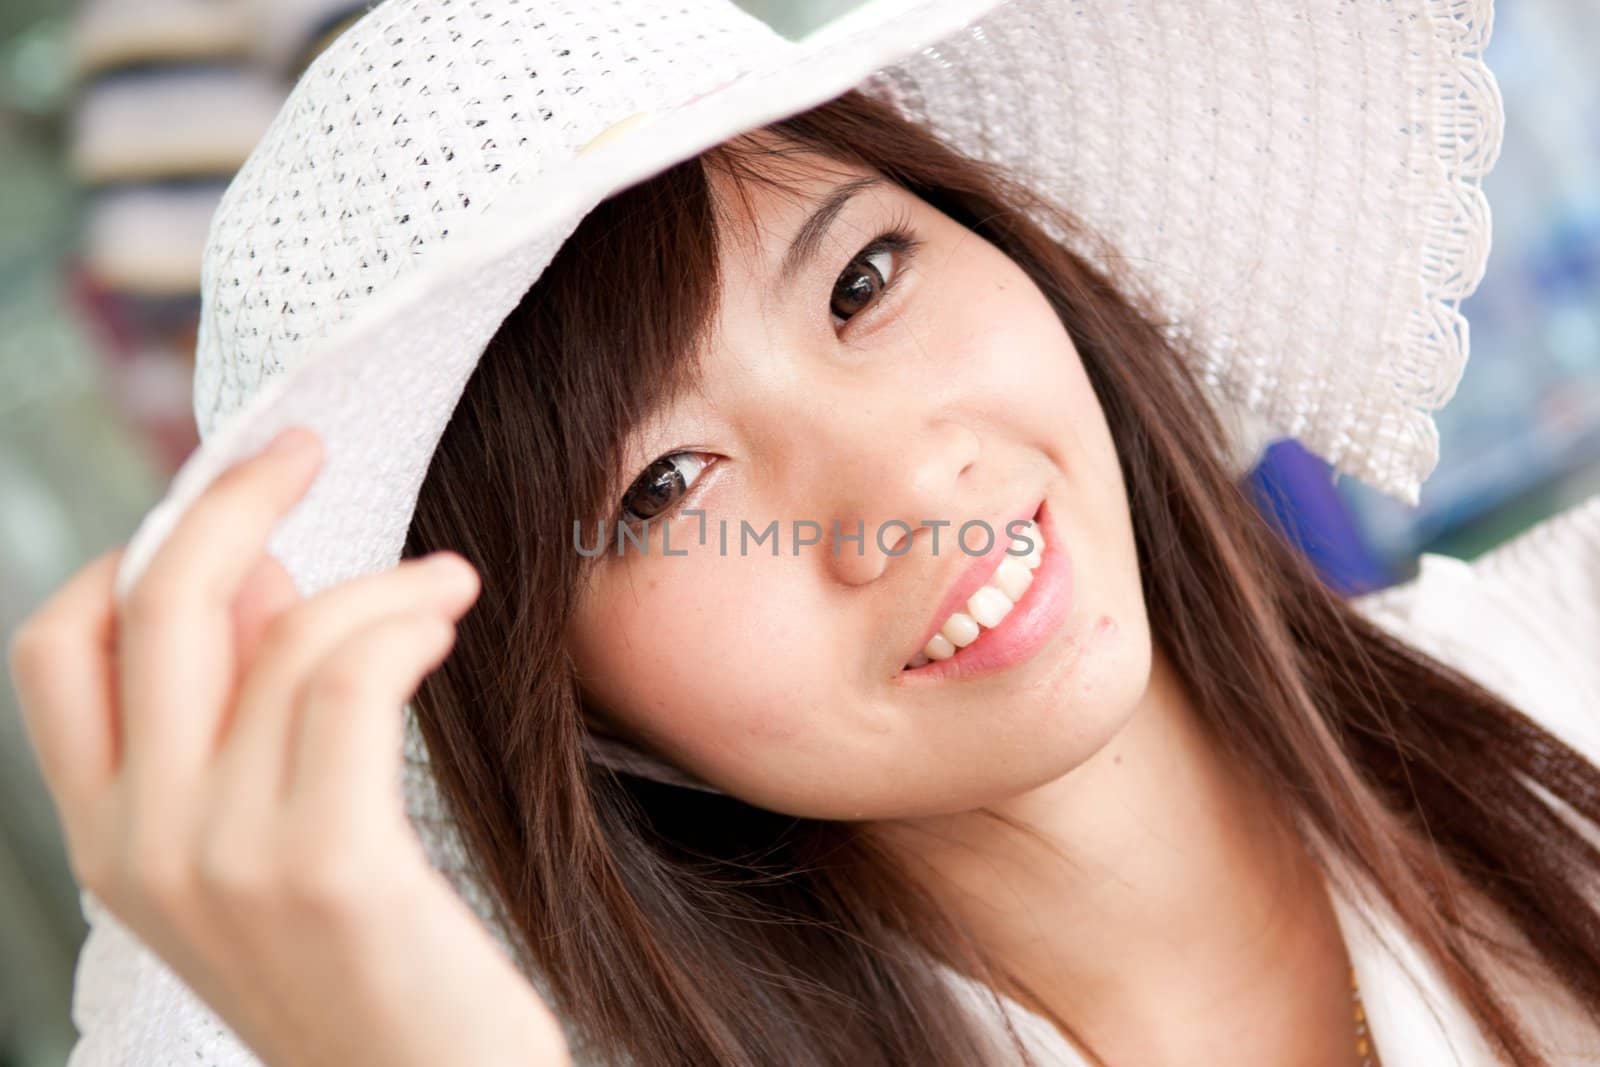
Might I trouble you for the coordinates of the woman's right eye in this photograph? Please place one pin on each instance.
(662, 485)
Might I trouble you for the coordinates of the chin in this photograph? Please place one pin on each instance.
(1077, 709)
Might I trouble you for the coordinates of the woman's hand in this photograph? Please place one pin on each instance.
(224, 759)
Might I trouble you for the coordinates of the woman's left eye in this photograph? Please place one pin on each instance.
(872, 273)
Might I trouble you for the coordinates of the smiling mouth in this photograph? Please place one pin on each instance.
(991, 603)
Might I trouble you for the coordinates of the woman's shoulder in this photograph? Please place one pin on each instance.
(1551, 569)
(1522, 619)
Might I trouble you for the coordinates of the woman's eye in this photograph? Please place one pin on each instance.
(867, 276)
(663, 483)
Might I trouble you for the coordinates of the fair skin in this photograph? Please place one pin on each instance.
(1166, 926)
(223, 756)
(1186, 928)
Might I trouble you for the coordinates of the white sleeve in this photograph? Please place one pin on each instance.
(1522, 618)
(1548, 579)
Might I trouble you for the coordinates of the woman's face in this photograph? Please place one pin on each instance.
(866, 383)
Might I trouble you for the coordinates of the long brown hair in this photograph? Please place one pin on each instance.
(674, 926)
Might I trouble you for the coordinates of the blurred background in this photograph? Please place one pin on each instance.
(122, 120)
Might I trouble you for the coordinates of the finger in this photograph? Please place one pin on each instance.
(347, 739)
(178, 661)
(62, 663)
(253, 755)
(268, 591)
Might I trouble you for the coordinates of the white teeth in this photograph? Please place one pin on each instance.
(1036, 553)
(1012, 578)
(989, 606)
(960, 630)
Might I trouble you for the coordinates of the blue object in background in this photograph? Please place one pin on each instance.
(1294, 488)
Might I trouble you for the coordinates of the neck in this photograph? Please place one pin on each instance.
(1166, 910)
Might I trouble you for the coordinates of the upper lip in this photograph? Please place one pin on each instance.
(974, 575)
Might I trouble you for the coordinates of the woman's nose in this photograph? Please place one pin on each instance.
(896, 481)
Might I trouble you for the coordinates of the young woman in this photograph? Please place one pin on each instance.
(876, 662)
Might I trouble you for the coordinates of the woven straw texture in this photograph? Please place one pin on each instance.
(1292, 186)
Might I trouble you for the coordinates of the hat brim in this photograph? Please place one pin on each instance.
(404, 359)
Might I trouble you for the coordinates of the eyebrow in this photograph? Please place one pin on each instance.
(809, 237)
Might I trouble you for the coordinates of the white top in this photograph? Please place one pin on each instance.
(1523, 619)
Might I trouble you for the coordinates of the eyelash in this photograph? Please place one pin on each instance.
(897, 238)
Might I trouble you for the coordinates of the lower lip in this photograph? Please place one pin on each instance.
(1034, 619)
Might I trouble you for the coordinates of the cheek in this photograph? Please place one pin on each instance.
(1004, 341)
(689, 652)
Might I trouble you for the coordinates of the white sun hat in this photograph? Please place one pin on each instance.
(1294, 185)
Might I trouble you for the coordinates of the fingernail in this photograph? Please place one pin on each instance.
(292, 440)
(455, 571)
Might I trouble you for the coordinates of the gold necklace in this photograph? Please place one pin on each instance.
(1364, 1047)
